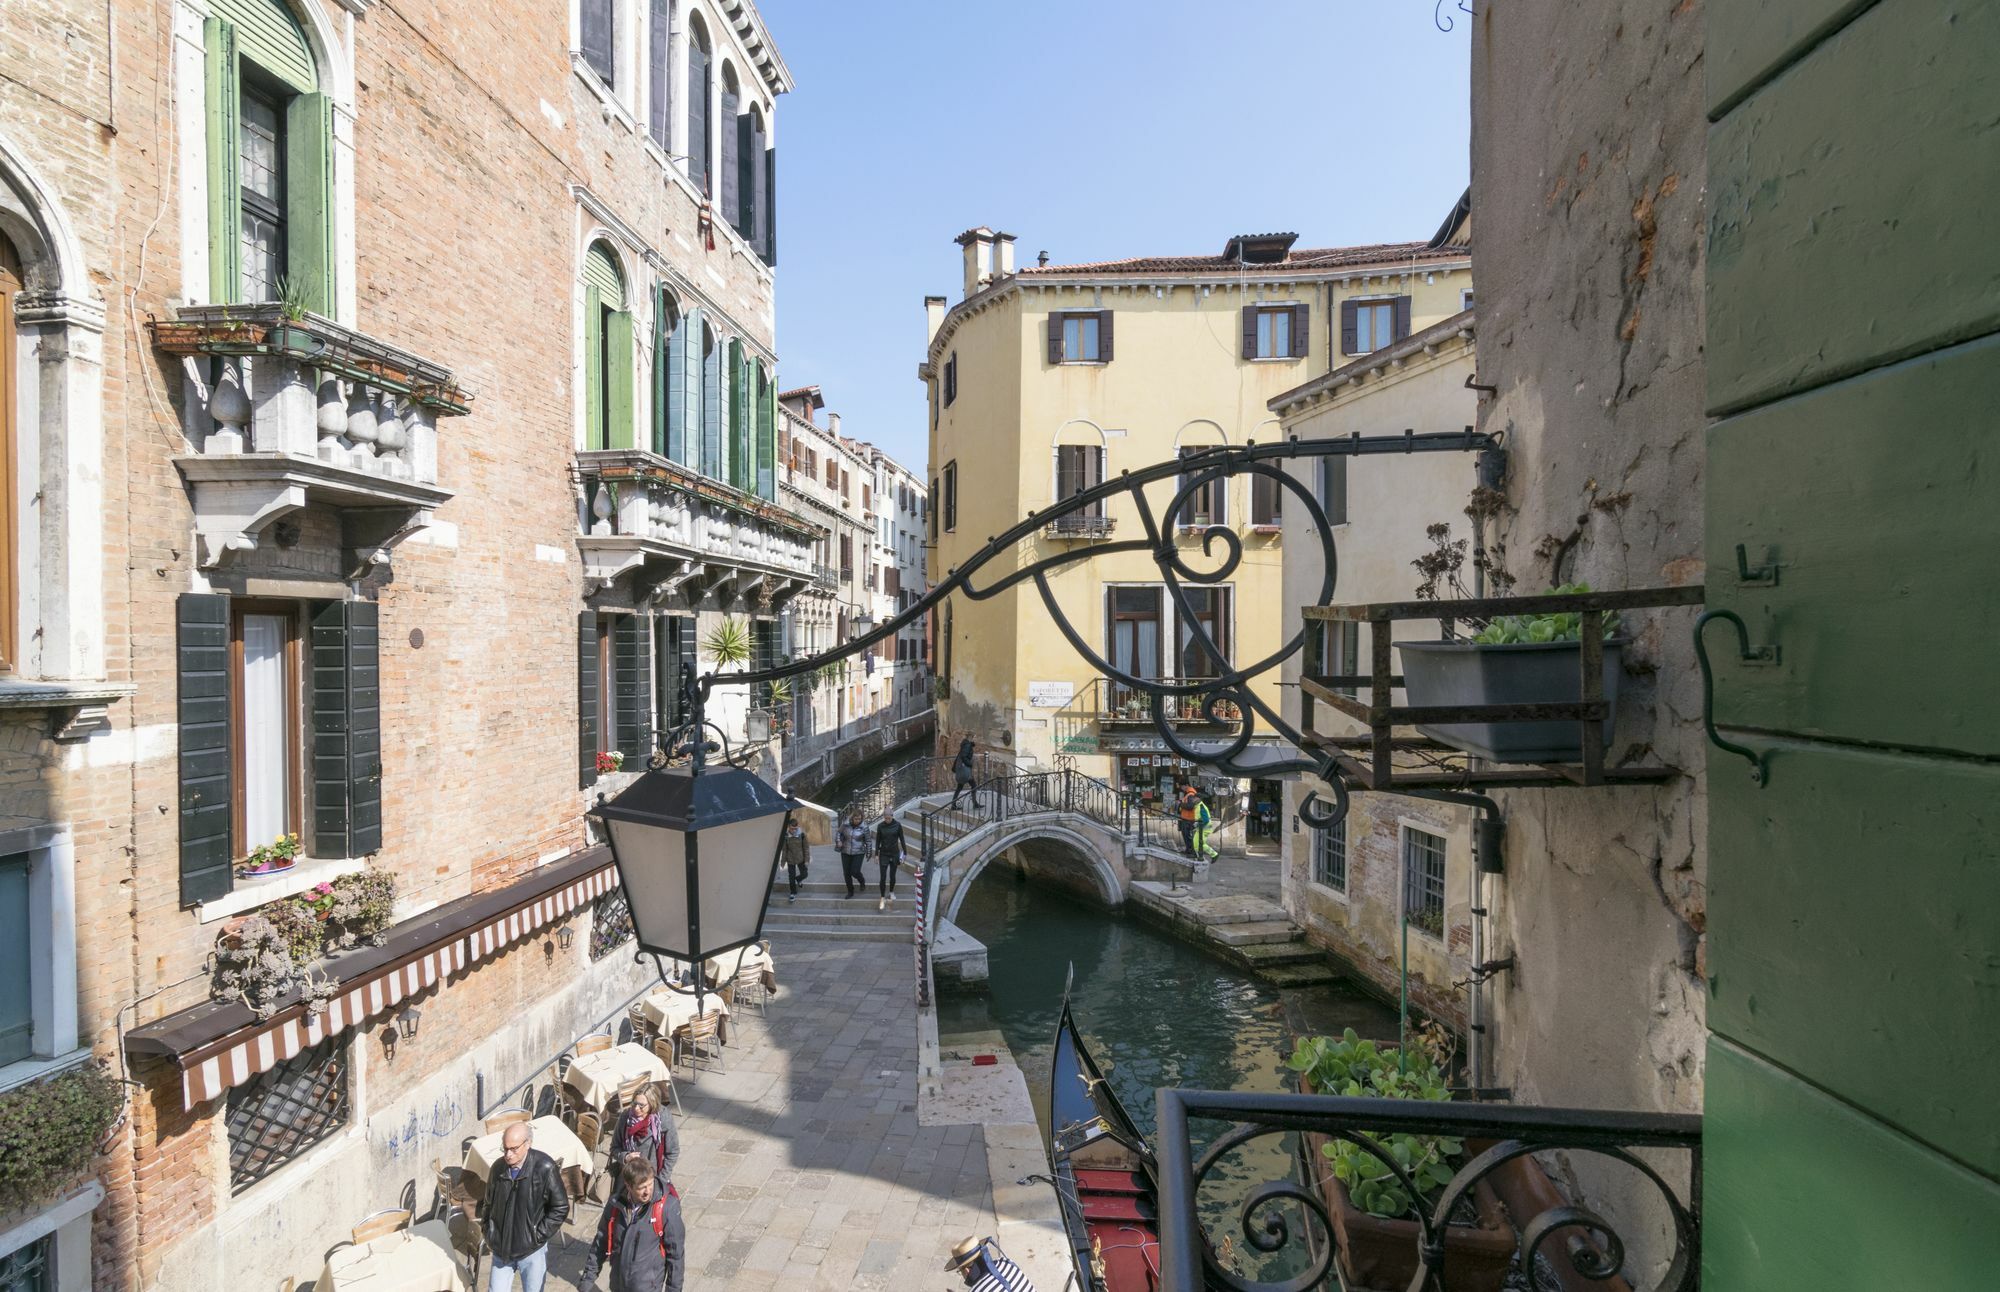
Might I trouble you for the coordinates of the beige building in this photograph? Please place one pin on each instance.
(1394, 858)
(1050, 379)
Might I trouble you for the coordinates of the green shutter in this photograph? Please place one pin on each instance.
(738, 405)
(268, 35)
(767, 435)
(600, 270)
(677, 387)
(17, 966)
(309, 253)
(632, 686)
(346, 729)
(711, 404)
(586, 698)
(658, 440)
(748, 166)
(593, 367)
(224, 104)
(206, 780)
(771, 207)
(620, 358)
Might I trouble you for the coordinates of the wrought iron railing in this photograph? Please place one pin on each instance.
(1079, 526)
(1111, 702)
(1495, 1134)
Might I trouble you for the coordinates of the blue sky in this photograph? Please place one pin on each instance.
(1089, 128)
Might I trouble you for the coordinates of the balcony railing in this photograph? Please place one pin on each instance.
(1116, 704)
(1653, 1159)
(825, 577)
(289, 411)
(1078, 527)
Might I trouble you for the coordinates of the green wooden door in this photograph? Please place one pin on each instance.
(17, 1019)
(1853, 353)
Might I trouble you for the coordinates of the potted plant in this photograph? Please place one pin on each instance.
(1375, 1233)
(273, 858)
(609, 761)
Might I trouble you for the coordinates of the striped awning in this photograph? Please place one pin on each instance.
(215, 1067)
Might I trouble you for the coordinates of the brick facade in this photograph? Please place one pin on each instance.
(483, 161)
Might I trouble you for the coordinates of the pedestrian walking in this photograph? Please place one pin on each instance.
(648, 1130)
(796, 853)
(1187, 803)
(888, 855)
(641, 1239)
(1203, 823)
(961, 774)
(525, 1206)
(851, 842)
(985, 1268)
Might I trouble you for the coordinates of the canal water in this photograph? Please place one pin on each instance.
(1154, 1012)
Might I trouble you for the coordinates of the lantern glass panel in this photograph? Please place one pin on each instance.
(736, 863)
(652, 865)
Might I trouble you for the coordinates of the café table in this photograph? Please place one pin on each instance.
(723, 969)
(668, 1010)
(595, 1078)
(550, 1136)
(418, 1259)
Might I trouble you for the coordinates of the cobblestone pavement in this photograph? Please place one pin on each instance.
(802, 1164)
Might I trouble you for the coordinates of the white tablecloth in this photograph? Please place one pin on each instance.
(410, 1260)
(667, 1009)
(597, 1077)
(551, 1137)
(723, 968)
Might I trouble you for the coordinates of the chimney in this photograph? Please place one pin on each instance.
(833, 425)
(933, 317)
(978, 245)
(1003, 258)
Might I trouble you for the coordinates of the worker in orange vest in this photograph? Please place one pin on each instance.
(1187, 803)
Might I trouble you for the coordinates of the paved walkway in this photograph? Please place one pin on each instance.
(803, 1165)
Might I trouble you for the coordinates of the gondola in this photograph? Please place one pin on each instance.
(1105, 1177)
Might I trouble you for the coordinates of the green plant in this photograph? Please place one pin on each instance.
(1567, 626)
(51, 1128)
(1357, 1068)
(291, 298)
(284, 848)
(272, 953)
(780, 691)
(728, 643)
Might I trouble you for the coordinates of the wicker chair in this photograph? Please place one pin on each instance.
(382, 1222)
(507, 1117)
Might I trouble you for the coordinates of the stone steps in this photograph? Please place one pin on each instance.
(1269, 955)
(1300, 975)
(1254, 934)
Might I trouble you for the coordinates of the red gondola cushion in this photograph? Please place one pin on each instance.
(1109, 1206)
(1112, 1182)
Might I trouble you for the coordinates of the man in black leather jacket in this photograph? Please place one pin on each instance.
(525, 1206)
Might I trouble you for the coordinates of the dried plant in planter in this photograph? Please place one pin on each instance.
(362, 905)
(273, 953)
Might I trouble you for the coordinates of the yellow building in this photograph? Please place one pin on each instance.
(1048, 379)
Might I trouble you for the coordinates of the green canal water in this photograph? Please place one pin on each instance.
(1154, 1012)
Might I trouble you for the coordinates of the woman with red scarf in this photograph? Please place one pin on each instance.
(645, 1129)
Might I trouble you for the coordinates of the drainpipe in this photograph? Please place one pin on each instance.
(1488, 832)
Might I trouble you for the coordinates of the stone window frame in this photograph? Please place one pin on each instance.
(52, 987)
(1405, 841)
(1322, 845)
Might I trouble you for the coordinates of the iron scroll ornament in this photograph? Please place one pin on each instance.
(1161, 537)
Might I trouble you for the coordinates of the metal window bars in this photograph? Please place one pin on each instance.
(285, 1110)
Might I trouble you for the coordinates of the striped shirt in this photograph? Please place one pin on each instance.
(1002, 1275)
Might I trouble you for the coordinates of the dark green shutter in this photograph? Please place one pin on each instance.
(1249, 331)
(658, 439)
(346, 729)
(748, 177)
(1402, 317)
(632, 686)
(732, 453)
(730, 176)
(771, 207)
(767, 435)
(674, 651)
(677, 388)
(224, 104)
(763, 655)
(1347, 328)
(586, 697)
(206, 780)
(593, 368)
(309, 251)
(620, 358)
(697, 160)
(1301, 333)
(711, 405)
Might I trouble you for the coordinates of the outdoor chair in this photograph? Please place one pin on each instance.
(749, 989)
(664, 1048)
(451, 1191)
(382, 1222)
(595, 1043)
(507, 1117)
(642, 1027)
(704, 1041)
(467, 1239)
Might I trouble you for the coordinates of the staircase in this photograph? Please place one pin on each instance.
(1252, 933)
(824, 911)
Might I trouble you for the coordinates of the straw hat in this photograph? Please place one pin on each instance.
(964, 1254)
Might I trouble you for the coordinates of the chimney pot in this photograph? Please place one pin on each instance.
(933, 317)
(978, 246)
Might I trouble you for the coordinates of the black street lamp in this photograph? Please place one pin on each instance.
(696, 850)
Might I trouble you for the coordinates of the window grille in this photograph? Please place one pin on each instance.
(279, 1114)
(26, 1269)
(1423, 881)
(610, 923)
(1330, 856)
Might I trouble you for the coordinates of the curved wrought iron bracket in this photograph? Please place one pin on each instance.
(1759, 768)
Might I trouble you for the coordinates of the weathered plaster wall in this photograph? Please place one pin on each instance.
(1587, 160)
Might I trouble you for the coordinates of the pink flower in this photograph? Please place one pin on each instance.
(322, 889)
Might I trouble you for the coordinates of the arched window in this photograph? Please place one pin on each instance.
(731, 198)
(607, 353)
(659, 30)
(669, 374)
(698, 89)
(270, 159)
(597, 27)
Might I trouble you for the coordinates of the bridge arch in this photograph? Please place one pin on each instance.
(1109, 879)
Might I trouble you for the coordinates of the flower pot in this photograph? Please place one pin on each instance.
(1377, 1254)
(1463, 673)
(269, 870)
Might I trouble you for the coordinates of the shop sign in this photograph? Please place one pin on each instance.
(1050, 695)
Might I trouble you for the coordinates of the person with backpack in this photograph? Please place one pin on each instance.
(851, 842)
(641, 1239)
(962, 775)
(888, 855)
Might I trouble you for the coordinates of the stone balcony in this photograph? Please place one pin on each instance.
(286, 413)
(679, 534)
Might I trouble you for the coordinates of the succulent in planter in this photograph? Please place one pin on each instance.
(1356, 1067)
(1517, 630)
(263, 957)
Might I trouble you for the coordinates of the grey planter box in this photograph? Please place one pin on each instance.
(1440, 674)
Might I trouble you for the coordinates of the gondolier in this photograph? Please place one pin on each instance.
(985, 1268)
